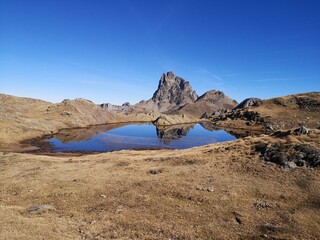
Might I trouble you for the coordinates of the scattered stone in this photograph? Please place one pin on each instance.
(269, 127)
(220, 113)
(119, 209)
(301, 130)
(155, 171)
(205, 115)
(64, 113)
(249, 123)
(103, 196)
(210, 189)
(290, 155)
(291, 165)
(38, 209)
(238, 219)
(262, 204)
(30, 190)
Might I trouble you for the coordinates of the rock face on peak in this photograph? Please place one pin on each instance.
(248, 102)
(172, 93)
(173, 90)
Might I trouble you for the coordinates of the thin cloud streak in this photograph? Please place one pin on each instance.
(229, 75)
(213, 75)
(221, 81)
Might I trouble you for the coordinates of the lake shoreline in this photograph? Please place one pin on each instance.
(124, 136)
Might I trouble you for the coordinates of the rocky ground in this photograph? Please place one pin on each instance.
(263, 186)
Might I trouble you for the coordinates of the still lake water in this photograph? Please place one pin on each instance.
(137, 136)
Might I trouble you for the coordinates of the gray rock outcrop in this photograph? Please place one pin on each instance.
(124, 108)
(248, 102)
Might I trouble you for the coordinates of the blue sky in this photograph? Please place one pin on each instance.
(116, 51)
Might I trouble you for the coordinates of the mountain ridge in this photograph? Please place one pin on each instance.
(174, 95)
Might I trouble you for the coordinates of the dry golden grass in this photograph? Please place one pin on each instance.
(114, 195)
(292, 110)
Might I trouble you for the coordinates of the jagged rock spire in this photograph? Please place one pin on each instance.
(173, 92)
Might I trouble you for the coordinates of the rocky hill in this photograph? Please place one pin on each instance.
(23, 118)
(275, 113)
(207, 103)
(248, 102)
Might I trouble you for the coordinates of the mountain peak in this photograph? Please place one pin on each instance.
(173, 92)
(170, 75)
(175, 95)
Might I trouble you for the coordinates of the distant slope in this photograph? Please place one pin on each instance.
(208, 103)
(248, 102)
(22, 118)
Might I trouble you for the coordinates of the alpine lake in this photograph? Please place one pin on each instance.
(138, 136)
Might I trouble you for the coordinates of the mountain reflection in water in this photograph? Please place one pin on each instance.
(113, 137)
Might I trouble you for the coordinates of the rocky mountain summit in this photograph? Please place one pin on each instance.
(172, 92)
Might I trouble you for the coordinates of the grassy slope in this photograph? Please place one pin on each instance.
(22, 118)
(293, 109)
(284, 112)
(113, 195)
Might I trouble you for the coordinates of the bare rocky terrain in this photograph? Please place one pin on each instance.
(265, 185)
